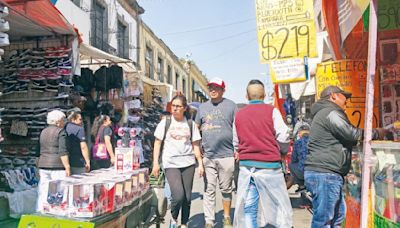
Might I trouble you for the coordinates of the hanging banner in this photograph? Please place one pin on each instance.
(349, 13)
(288, 70)
(285, 29)
(388, 15)
(349, 75)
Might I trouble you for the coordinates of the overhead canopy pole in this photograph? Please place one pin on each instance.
(369, 104)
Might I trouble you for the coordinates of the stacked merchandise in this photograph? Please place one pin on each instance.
(152, 115)
(131, 135)
(386, 182)
(390, 103)
(96, 193)
(4, 27)
(18, 182)
(36, 71)
(383, 199)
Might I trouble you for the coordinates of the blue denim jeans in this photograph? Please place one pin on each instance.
(328, 200)
(251, 205)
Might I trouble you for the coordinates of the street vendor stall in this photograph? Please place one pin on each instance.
(36, 75)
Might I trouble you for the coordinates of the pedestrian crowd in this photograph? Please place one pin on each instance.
(245, 147)
(254, 141)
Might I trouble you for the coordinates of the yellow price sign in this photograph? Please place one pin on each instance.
(285, 29)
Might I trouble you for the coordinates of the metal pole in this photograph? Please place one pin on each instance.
(369, 103)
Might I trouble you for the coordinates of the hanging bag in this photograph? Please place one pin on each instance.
(116, 101)
(99, 150)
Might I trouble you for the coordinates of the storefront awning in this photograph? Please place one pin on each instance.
(90, 55)
(29, 18)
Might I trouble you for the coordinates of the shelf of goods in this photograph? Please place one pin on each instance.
(386, 184)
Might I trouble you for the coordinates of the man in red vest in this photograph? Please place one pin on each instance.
(260, 137)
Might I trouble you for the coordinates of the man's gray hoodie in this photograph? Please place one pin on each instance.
(331, 139)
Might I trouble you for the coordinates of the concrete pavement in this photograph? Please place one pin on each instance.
(301, 217)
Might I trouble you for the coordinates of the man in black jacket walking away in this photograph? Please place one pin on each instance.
(331, 140)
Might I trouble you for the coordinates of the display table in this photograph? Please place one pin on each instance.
(129, 216)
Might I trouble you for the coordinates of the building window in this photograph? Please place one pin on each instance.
(77, 2)
(122, 40)
(183, 86)
(99, 20)
(169, 75)
(160, 69)
(176, 81)
(149, 62)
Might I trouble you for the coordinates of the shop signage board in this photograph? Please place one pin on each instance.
(285, 29)
(388, 15)
(289, 70)
(350, 75)
(35, 221)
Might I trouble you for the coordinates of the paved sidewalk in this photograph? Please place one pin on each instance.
(301, 217)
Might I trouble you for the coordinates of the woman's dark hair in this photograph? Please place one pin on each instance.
(73, 115)
(183, 100)
(98, 121)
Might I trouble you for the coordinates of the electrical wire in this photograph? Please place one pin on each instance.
(209, 27)
(217, 40)
(241, 45)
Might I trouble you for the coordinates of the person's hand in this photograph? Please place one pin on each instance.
(87, 167)
(68, 171)
(156, 170)
(201, 170)
(112, 160)
(236, 156)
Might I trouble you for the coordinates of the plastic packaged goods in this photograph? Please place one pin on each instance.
(56, 202)
(386, 182)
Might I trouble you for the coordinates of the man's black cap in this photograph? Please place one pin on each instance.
(333, 89)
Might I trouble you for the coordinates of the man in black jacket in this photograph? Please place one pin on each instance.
(331, 140)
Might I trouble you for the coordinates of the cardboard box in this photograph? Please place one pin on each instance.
(88, 199)
(144, 180)
(56, 202)
(123, 159)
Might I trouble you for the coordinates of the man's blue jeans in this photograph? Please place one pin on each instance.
(251, 205)
(328, 203)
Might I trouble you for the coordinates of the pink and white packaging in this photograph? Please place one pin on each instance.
(124, 159)
(144, 179)
(87, 199)
(56, 202)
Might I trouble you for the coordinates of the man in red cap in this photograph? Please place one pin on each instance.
(215, 119)
(331, 140)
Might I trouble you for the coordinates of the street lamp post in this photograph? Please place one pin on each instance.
(187, 66)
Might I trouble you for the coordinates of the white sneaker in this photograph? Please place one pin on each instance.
(1, 51)
(4, 41)
(4, 25)
(3, 11)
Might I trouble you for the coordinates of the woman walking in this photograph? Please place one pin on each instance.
(102, 151)
(179, 154)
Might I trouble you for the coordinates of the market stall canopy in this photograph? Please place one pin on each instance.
(90, 55)
(30, 18)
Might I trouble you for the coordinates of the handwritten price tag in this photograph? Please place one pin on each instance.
(285, 29)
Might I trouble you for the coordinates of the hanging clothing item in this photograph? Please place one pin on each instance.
(116, 75)
(102, 80)
(86, 80)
